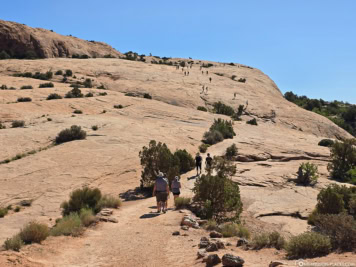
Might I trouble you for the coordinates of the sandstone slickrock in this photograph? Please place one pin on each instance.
(230, 260)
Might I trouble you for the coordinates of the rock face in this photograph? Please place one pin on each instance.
(20, 41)
(232, 261)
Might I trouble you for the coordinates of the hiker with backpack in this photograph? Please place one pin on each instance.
(208, 162)
(161, 191)
(176, 187)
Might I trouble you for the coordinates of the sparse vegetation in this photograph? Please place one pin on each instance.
(308, 245)
(14, 243)
(74, 93)
(242, 80)
(211, 225)
(186, 161)
(3, 212)
(118, 106)
(4, 55)
(221, 108)
(69, 73)
(46, 85)
(182, 202)
(108, 201)
(307, 174)
(103, 94)
(59, 72)
(17, 124)
(24, 99)
(74, 133)
(87, 217)
(68, 225)
(88, 83)
(233, 229)
(202, 108)
(2, 126)
(89, 94)
(78, 111)
(326, 142)
(101, 87)
(252, 122)
(95, 127)
(231, 152)
(220, 130)
(268, 240)
(26, 87)
(53, 96)
(147, 95)
(38, 75)
(34, 232)
(203, 148)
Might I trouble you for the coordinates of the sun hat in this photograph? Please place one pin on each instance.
(160, 174)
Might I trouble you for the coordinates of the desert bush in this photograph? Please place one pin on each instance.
(307, 173)
(26, 87)
(95, 127)
(233, 229)
(46, 85)
(186, 161)
(69, 73)
(74, 93)
(221, 108)
(203, 148)
(157, 157)
(182, 202)
(78, 111)
(17, 124)
(103, 94)
(34, 232)
(3, 212)
(84, 198)
(73, 133)
(17, 209)
(89, 94)
(87, 217)
(242, 80)
(68, 225)
(108, 201)
(202, 108)
(43, 76)
(252, 121)
(268, 240)
(14, 243)
(212, 137)
(326, 142)
(59, 72)
(24, 99)
(233, 77)
(118, 106)
(2, 126)
(130, 94)
(308, 245)
(218, 194)
(146, 95)
(211, 225)
(4, 55)
(343, 159)
(341, 228)
(3, 87)
(231, 152)
(101, 87)
(88, 83)
(53, 96)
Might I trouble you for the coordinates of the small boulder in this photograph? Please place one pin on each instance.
(189, 221)
(204, 239)
(230, 260)
(220, 244)
(242, 242)
(213, 259)
(201, 253)
(212, 247)
(204, 244)
(202, 222)
(176, 233)
(275, 264)
(185, 227)
(215, 234)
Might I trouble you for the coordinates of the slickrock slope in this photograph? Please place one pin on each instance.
(286, 136)
(18, 40)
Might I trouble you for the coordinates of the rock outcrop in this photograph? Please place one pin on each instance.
(21, 41)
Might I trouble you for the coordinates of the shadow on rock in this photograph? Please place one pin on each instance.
(136, 194)
(149, 215)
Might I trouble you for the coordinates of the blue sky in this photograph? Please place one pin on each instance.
(305, 46)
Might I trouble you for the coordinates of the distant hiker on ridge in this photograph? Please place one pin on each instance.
(198, 160)
(161, 191)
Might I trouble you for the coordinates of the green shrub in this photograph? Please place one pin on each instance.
(3, 212)
(308, 245)
(202, 108)
(59, 72)
(118, 106)
(221, 108)
(46, 85)
(17, 124)
(17, 209)
(211, 225)
(224, 127)
(34, 232)
(343, 159)
(69, 73)
(74, 133)
(89, 94)
(307, 173)
(252, 122)
(212, 137)
(84, 198)
(88, 83)
(326, 142)
(186, 161)
(4, 55)
(95, 127)
(233, 77)
(87, 217)
(234, 229)
(108, 201)
(203, 148)
(24, 99)
(14, 243)
(101, 87)
(148, 96)
(74, 93)
(78, 111)
(68, 225)
(26, 87)
(231, 152)
(242, 80)
(218, 194)
(268, 240)
(53, 96)
(3, 87)
(182, 202)
(2, 126)
(341, 228)
(103, 94)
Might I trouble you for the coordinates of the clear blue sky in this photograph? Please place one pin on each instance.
(306, 46)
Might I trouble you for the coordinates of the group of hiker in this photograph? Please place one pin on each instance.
(161, 187)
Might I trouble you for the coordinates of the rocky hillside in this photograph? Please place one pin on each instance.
(21, 41)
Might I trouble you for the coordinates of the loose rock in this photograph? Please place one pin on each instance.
(185, 227)
(275, 263)
(232, 261)
(201, 253)
(212, 247)
(215, 234)
(204, 244)
(176, 233)
(212, 260)
(242, 242)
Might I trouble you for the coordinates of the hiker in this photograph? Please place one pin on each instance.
(208, 162)
(176, 187)
(203, 90)
(234, 95)
(206, 90)
(210, 79)
(185, 73)
(188, 73)
(161, 191)
(198, 160)
(207, 72)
